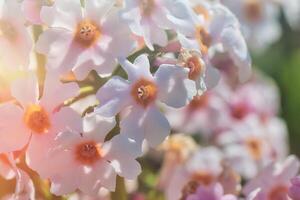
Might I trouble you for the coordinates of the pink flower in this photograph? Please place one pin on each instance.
(274, 181)
(95, 162)
(33, 118)
(213, 192)
(294, 190)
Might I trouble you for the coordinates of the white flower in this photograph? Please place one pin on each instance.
(82, 39)
(94, 161)
(215, 29)
(259, 19)
(151, 18)
(15, 41)
(140, 94)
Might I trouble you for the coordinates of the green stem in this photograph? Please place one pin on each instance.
(120, 192)
(40, 59)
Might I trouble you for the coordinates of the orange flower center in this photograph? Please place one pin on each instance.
(88, 152)
(147, 7)
(196, 67)
(8, 31)
(87, 33)
(253, 10)
(198, 102)
(144, 92)
(278, 193)
(203, 178)
(254, 146)
(203, 38)
(37, 119)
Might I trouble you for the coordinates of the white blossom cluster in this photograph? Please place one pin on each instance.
(151, 64)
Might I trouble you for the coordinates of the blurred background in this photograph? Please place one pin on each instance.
(281, 61)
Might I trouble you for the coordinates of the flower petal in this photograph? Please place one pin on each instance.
(56, 43)
(235, 44)
(56, 92)
(140, 68)
(13, 133)
(66, 119)
(212, 76)
(63, 14)
(32, 11)
(24, 188)
(156, 127)
(132, 125)
(122, 155)
(96, 10)
(113, 97)
(290, 168)
(97, 127)
(26, 90)
(175, 89)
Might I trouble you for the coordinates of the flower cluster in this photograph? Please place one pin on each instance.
(89, 86)
(260, 19)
